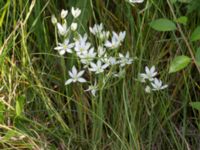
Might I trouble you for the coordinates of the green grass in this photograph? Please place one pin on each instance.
(123, 117)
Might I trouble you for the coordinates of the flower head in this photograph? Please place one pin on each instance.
(87, 56)
(157, 85)
(125, 59)
(149, 74)
(116, 40)
(75, 76)
(81, 45)
(75, 12)
(64, 47)
(93, 88)
(96, 29)
(98, 67)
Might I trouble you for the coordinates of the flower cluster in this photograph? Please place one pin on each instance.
(150, 77)
(98, 54)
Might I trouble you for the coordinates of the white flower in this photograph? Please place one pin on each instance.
(96, 29)
(104, 35)
(53, 19)
(101, 51)
(157, 85)
(125, 59)
(75, 76)
(74, 26)
(114, 43)
(109, 60)
(93, 88)
(147, 89)
(98, 68)
(87, 56)
(62, 29)
(136, 1)
(121, 36)
(149, 74)
(81, 45)
(64, 47)
(63, 13)
(75, 12)
(116, 40)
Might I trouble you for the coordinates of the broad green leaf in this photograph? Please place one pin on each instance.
(179, 63)
(197, 56)
(183, 20)
(195, 34)
(195, 105)
(20, 105)
(163, 25)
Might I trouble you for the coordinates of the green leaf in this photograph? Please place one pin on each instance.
(20, 105)
(195, 34)
(2, 109)
(197, 56)
(195, 105)
(163, 25)
(179, 63)
(183, 20)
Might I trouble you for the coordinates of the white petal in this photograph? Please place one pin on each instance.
(152, 69)
(81, 80)
(147, 70)
(80, 73)
(68, 81)
(61, 52)
(74, 70)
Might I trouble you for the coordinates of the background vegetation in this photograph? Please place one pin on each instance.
(37, 113)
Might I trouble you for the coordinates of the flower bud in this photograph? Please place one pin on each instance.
(53, 19)
(74, 26)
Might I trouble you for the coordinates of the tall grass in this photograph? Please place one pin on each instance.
(37, 111)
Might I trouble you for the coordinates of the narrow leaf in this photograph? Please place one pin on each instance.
(20, 105)
(179, 63)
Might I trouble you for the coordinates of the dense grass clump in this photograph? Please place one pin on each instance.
(37, 109)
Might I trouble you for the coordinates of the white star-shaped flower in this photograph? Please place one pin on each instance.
(116, 40)
(149, 74)
(75, 76)
(64, 47)
(93, 88)
(96, 29)
(98, 68)
(81, 45)
(125, 60)
(158, 85)
(87, 56)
